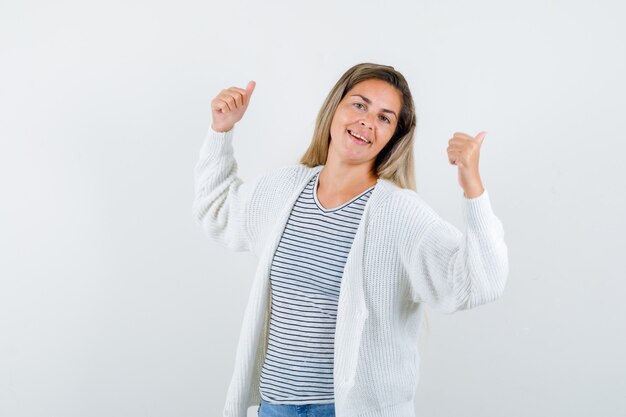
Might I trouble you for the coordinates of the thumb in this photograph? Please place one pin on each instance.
(250, 88)
(480, 137)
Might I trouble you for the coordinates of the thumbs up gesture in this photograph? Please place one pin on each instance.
(463, 151)
(228, 107)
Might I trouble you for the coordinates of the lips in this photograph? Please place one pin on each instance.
(359, 137)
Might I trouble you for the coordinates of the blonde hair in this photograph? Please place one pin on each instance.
(395, 162)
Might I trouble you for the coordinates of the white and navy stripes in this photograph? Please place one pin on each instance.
(305, 279)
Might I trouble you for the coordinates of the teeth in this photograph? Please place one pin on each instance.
(359, 136)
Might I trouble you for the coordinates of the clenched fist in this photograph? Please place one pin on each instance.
(464, 151)
(228, 107)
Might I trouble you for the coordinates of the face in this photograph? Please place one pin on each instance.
(369, 111)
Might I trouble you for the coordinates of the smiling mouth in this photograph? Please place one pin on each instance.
(359, 137)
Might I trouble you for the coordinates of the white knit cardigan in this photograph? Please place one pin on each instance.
(403, 256)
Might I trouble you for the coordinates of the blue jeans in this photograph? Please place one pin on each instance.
(291, 410)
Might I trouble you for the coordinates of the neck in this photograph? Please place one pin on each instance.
(338, 177)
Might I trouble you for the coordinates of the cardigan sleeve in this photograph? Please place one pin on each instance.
(453, 271)
(222, 200)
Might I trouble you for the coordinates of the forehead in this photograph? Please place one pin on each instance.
(380, 92)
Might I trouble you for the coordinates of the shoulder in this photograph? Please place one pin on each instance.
(401, 217)
(280, 182)
(293, 173)
(404, 206)
(272, 191)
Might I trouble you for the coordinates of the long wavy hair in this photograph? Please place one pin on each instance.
(395, 162)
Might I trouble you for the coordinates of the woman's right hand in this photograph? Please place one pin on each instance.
(229, 105)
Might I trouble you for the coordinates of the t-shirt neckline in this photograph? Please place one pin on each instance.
(325, 210)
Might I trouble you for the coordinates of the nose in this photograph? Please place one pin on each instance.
(366, 123)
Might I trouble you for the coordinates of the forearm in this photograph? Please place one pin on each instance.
(454, 271)
(221, 198)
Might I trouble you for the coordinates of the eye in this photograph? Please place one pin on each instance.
(385, 119)
(359, 106)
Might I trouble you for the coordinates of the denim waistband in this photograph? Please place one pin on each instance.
(295, 410)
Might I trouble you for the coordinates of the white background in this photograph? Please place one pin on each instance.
(113, 302)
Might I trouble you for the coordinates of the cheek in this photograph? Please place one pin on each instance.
(333, 124)
(336, 126)
(337, 120)
(388, 132)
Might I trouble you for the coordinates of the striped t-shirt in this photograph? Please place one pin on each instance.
(305, 278)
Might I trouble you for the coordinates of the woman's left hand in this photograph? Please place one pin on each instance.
(463, 151)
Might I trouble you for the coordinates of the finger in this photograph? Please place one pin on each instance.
(480, 137)
(453, 157)
(247, 92)
(239, 89)
(462, 135)
(470, 147)
(222, 105)
(217, 104)
(234, 99)
(456, 162)
(465, 142)
(241, 92)
(459, 141)
(250, 87)
(457, 150)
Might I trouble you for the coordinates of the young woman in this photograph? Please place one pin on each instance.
(349, 254)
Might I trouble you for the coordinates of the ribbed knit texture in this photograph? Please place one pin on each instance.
(403, 257)
(305, 280)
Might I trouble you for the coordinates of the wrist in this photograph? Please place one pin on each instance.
(221, 129)
(474, 191)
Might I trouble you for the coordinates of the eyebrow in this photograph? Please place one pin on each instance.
(368, 101)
